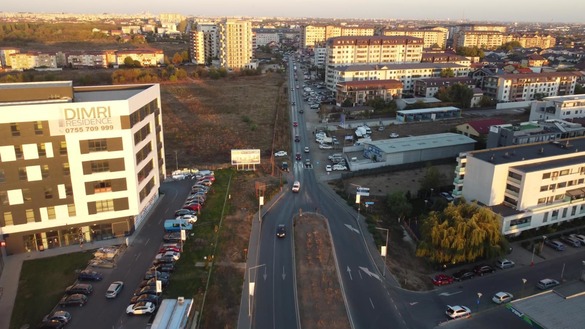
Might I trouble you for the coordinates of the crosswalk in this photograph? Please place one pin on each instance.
(300, 165)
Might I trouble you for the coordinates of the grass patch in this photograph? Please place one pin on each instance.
(42, 283)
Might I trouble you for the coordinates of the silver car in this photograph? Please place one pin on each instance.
(114, 289)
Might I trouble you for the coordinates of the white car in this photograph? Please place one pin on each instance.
(140, 308)
(328, 168)
(192, 219)
(306, 149)
(325, 147)
(502, 297)
(579, 237)
(176, 255)
(280, 154)
(296, 186)
(339, 167)
(504, 263)
(457, 311)
(114, 289)
(394, 135)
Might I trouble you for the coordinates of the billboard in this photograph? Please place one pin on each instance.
(245, 157)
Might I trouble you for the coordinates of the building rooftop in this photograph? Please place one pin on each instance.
(398, 66)
(429, 110)
(537, 75)
(372, 84)
(483, 126)
(404, 144)
(114, 93)
(511, 154)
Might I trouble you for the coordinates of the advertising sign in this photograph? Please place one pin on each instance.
(246, 157)
(75, 120)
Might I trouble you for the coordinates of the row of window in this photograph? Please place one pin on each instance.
(37, 126)
(552, 187)
(564, 172)
(29, 214)
(554, 215)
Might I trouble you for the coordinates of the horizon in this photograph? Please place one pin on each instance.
(537, 11)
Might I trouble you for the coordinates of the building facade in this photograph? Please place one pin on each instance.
(83, 164)
(359, 92)
(532, 132)
(561, 108)
(529, 186)
(524, 87)
(235, 43)
(431, 37)
(204, 43)
(312, 35)
(429, 87)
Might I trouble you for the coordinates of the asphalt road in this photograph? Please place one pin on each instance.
(101, 312)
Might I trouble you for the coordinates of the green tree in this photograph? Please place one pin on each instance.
(432, 179)
(579, 89)
(470, 51)
(460, 233)
(398, 204)
(447, 73)
(177, 59)
(128, 61)
(348, 102)
(509, 46)
(461, 94)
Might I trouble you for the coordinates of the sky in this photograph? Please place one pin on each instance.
(558, 11)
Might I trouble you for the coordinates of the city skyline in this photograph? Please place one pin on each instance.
(564, 11)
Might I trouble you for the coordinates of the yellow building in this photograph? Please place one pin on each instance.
(235, 43)
(431, 37)
(315, 34)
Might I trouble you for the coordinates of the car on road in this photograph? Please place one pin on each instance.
(298, 157)
(280, 154)
(547, 284)
(502, 297)
(58, 316)
(442, 279)
(73, 300)
(555, 244)
(504, 263)
(114, 289)
(394, 135)
(281, 231)
(483, 269)
(463, 275)
(328, 168)
(381, 128)
(89, 275)
(325, 147)
(297, 138)
(301, 111)
(457, 311)
(306, 149)
(141, 308)
(571, 241)
(292, 103)
(296, 186)
(295, 124)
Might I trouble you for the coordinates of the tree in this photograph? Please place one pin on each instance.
(461, 94)
(398, 204)
(348, 102)
(509, 46)
(470, 51)
(177, 59)
(447, 73)
(128, 61)
(461, 233)
(432, 179)
(579, 89)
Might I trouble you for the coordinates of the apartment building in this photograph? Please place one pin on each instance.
(431, 37)
(529, 186)
(430, 86)
(480, 39)
(532, 132)
(83, 164)
(311, 35)
(533, 40)
(262, 37)
(567, 107)
(91, 59)
(406, 73)
(5, 52)
(359, 92)
(235, 43)
(444, 57)
(524, 87)
(146, 57)
(32, 59)
(204, 43)
(319, 56)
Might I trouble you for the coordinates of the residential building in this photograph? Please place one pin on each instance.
(528, 186)
(146, 57)
(319, 56)
(5, 52)
(534, 60)
(480, 39)
(32, 59)
(533, 40)
(204, 43)
(312, 35)
(406, 73)
(532, 132)
(264, 36)
(444, 57)
(90, 59)
(560, 107)
(83, 164)
(478, 128)
(359, 92)
(524, 87)
(430, 86)
(431, 37)
(235, 43)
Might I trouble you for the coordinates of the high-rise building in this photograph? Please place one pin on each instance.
(431, 37)
(312, 35)
(77, 163)
(204, 43)
(235, 43)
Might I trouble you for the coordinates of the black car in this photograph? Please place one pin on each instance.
(483, 269)
(148, 290)
(73, 300)
(79, 288)
(164, 260)
(152, 282)
(89, 275)
(463, 275)
(297, 138)
(168, 267)
(58, 316)
(145, 298)
(298, 157)
(151, 274)
(182, 212)
(172, 237)
(281, 231)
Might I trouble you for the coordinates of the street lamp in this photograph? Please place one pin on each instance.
(176, 160)
(478, 298)
(523, 286)
(260, 204)
(384, 249)
(251, 287)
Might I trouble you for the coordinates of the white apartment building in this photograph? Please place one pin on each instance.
(312, 35)
(235, 43)
(146, 57)
(319, 56)
(433, 36)
(32, 59)
(529, 186)
(95, 59)
(480, 39)
(560, 107)
(83, 164)
(406, 73)
(262, 37)
(525, 87)
(204, 43)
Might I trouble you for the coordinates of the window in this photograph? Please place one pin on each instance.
(573, 210)
(68, 190)
(15, 129)
(564, 172)
(38, 128)
(2, 176)
(541, 200)
(562, 185)
(66, 170)
(544, 188)
(22, 173)
(18, 151)
(555, 214)
(564, 212)
(30, 216)
(546, 176)
(97, 145)
(26, 195)
(521, 221)
(102, 186)
(48, 192)
(63, 148)
(45, 171)
(100, 166)
(71, 210)
(545, 217)
(51, 213)
(3, 198)
(8, 218)
(104, 205)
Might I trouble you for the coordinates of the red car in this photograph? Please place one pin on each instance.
(193, 206)
(442, 279)
(165, 249)
(211, 178)
(295, 124)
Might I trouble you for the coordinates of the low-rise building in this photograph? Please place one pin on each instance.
(560, 107)
(146, 57)
(532, 132)
(478, 128)
(525, 87)
(429, 87)
(359, 92)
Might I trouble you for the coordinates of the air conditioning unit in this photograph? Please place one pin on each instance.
(180, 300)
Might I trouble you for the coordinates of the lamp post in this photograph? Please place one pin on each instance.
(357, 200)
(523, 285)
(176, 160)
(478, 298)
(251, 287)
(384, 249)
(260, 204)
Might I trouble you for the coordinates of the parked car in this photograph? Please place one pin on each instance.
(296, 186)
(73, 300)
(280, 154)
(571, 241)
(151, 274)
(394, 135)
(169, 248)
(463, 275)
(547, 284)
(328, 168)
(164, 260)
(152, 282)
(145, 298)
(141, 308)
(483, 269)
(194, 207)
(166, 267)
(442, 279)
(190, 218)
(504, 263)
(89, 275)
(579, 237)
(174, 254)
(447, 196)
(555, 244)
(79, 288)
(325, 147)
(182, 212)
(457, 311)
(502, 297)
(148, 290)
(114, 289)
(339, 167)
(281, 231)
(58, 316)
(172, 237)
(205, 182)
